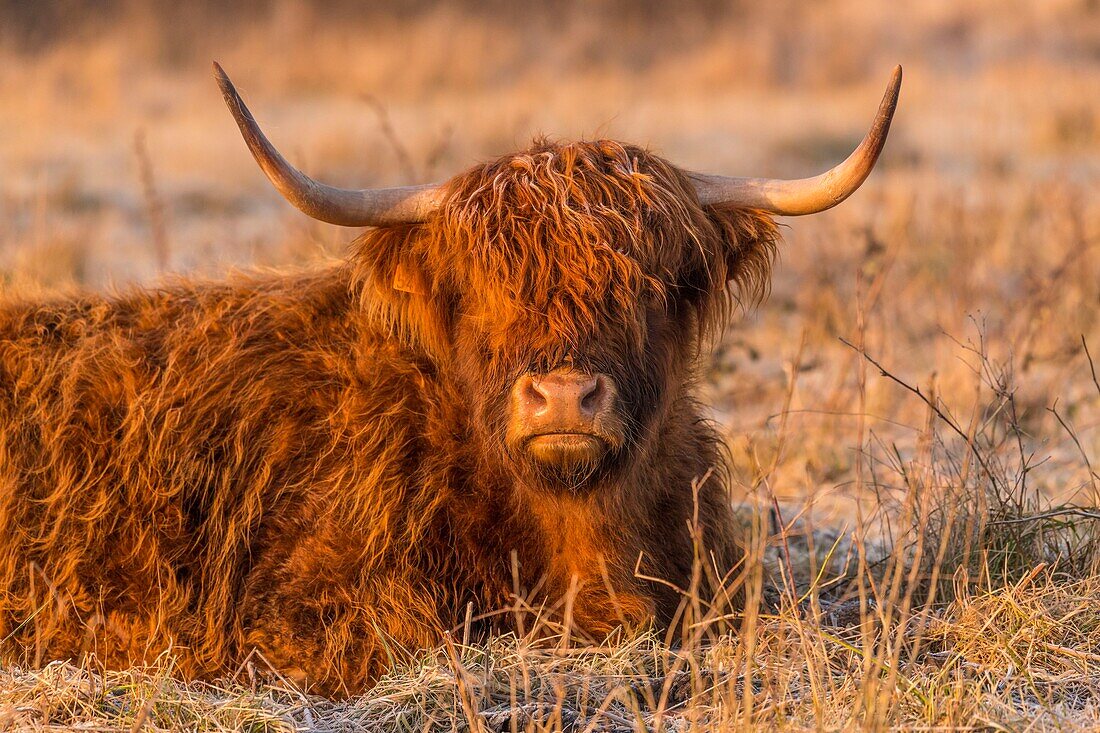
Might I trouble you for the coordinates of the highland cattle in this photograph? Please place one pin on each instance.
(491, 395)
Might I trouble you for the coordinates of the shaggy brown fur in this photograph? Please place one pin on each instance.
(313, 465)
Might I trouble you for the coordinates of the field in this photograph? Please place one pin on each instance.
(913, 415)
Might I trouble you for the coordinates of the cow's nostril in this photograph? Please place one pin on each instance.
(534, 396)
(592, 399)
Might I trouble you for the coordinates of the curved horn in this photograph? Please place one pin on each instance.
(805, 195)
(342, 206)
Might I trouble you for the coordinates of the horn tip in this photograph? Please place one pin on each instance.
(229, 92)
(221, 77)
(893, 91)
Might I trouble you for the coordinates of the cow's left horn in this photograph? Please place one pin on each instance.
(346, 207)
(805, 195)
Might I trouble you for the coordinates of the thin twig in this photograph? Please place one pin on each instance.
(931, 405)
(1092, 365)
(1093, 476)
(1069, 511)
(388, 131)
(154, 205)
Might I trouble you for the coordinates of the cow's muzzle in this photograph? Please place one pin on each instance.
(564, 418)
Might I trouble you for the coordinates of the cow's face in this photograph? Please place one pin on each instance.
(575, 283)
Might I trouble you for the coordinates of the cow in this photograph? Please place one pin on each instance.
(491, 398)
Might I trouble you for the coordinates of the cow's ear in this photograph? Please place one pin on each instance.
(409, 280)
(750, 242)
(399, 294)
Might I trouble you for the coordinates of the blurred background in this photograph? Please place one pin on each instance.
(968, 262)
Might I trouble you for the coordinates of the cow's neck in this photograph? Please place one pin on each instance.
(575, 532)
(585, 549)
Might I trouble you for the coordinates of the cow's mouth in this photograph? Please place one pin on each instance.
(567, 451)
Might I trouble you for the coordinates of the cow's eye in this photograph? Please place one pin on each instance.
(692, 283)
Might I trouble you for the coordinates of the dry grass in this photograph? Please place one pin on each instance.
(1006, 659)
(924, 542)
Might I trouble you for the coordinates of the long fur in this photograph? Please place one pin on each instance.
(312, 465)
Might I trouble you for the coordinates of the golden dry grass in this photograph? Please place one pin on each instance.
(921, 561)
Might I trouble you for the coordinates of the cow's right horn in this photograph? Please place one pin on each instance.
(342, 206)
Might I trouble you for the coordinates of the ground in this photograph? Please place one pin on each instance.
(913, 415)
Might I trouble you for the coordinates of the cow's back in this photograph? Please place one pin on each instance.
(155, 445)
